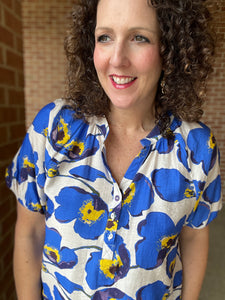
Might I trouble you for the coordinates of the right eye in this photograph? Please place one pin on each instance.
(104, 38)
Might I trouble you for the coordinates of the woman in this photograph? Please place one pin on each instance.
(124, 177)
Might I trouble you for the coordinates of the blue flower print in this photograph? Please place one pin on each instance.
(201, 213)
(199, 216)
(27, 160)
(57, 294)
(171, 262)
(165, 145)
(40, 122)
(8, 175)
(171, 185)
(71, 138)
(213, 192)
(49, 209)
(62, 257)
(105, 272)
(199, 152)
(32, 199)
(89, 211)
(67, 285)
(51, 166)
(87, 173)
(140, 188)
(182, 153)
(154, 291)
(159, 236)
(109, 294)
(177, 281)
(46, 294)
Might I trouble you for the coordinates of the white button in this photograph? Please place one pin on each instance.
(117, 198)
(113, 216)
(110, 236)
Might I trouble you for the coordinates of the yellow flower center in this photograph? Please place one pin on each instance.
(211, 142)
(172, 266)
(131, 194)
(189, 193)
(26, 163)
(89, 214)
(62, 126)
(109, 267)
(77, 147)
(7, 172)
(52, 172)
(45, 131)
(36, 206)
(52, 252)
(197, 202)
(166, 242)
(165, 296)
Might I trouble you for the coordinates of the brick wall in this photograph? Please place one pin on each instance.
(44, 31)
(215, 105)
(12, 128)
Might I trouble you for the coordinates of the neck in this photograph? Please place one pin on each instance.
(131, 121)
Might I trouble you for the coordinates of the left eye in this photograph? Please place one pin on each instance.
(140, 38)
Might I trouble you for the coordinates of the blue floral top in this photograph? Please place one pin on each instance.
(110, 241)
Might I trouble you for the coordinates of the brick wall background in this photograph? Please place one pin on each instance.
(215, 105)
(12, 128)
(44, 31)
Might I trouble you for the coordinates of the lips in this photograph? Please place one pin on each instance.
(121, 82)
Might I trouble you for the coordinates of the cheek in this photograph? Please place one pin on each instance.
(99, 60)
(150, 60)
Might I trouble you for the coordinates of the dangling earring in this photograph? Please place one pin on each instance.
(163, 84)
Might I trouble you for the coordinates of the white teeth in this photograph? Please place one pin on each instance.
(122, 80)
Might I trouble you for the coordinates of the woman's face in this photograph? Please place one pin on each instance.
(126, 55)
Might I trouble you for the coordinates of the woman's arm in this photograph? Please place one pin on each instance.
(29, 241)
(194, 244)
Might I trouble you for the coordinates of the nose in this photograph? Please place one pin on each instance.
(119, 56)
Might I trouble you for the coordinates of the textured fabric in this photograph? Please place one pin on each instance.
(105, 241)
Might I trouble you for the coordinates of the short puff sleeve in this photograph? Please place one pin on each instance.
(26, 174)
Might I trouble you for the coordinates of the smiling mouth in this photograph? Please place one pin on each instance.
(122, 79)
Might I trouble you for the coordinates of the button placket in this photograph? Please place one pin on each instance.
(112, 224)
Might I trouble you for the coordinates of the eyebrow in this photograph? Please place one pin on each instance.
(130, 29)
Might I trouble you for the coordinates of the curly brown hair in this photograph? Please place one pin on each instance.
(187, 48)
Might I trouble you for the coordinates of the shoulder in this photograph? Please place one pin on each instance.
(199, 142)
(46, 114)
(194, 133)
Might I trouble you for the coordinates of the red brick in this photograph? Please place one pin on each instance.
(20, 79)
(7, 152)
(16, 97)
(5, 193)
(16, 130)
(12, 22)
(6, 37)
(19, 44)
(1, 56)
(7, 76)
(8, 3)
(4, 134)
(21, 114)
(17, 7)
(9, 221)
(8, 115)
(2, 96)
(14, 60)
